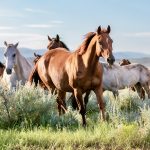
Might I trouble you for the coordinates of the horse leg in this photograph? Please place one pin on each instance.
(74, 103)
(116, 94)
(99, 94)
(142, 93)
(61, 105)
(86, 98)
(147, 89)
(140, 90)
(79, 100)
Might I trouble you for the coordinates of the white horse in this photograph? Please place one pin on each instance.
(119, 77)
(17, 67)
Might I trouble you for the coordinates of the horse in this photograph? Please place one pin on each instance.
(119, 77)
(2, 67)
(17, 67)
(138, 87)
(77, 71)
(54, 42)
(37, 57)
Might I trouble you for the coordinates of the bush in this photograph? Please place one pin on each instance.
(25, 107)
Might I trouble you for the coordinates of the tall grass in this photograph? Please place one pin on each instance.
(29, 120)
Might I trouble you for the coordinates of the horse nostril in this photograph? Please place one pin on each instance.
(108, 59)
(8, 71)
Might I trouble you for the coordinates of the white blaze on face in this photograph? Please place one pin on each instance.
(107, 41)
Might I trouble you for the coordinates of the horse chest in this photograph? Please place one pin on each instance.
(86, 83)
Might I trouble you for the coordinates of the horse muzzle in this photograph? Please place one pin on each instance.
(8, 71)
(111, 60)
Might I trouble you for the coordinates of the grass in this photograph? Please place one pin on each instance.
(101, 136)
(29, 120)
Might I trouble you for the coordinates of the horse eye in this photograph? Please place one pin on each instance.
(14, 55)
(5, 54)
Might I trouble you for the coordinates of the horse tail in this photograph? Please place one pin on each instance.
(34, 77)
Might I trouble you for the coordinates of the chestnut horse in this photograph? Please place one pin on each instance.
(77, 71)
(138, 87)
(53, 43)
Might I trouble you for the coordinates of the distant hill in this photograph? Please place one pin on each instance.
(132, 56)
(145, 61)
(27, 52)
(121, 55)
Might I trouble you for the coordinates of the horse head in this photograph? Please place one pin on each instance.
(104, 44)
(124, 62)
(37, 57)
(55, 43)
(10, 56)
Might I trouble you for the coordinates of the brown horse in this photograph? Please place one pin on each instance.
(2, 67)
(138, 87)
(53, 43)
(77, 71)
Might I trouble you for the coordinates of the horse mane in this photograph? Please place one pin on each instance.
(88, 37)
(64, 45)
(37, 57)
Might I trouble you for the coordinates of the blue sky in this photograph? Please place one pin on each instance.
(30, 21)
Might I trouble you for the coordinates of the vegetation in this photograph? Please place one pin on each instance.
(29, 120)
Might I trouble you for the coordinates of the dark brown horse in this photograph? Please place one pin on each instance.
(55, 43)
(138, 87)
(77, 71)
(2, 67)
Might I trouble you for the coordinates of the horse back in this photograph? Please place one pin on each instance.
(51, 69)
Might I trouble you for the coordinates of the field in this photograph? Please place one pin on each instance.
(29, 120)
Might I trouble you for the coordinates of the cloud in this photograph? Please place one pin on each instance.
(29, 9)
(25, 39)
(35, 10)
(24, 35)
(57, 21)
(10, 13)
(6, 28)
(39, 26)
(138, 34)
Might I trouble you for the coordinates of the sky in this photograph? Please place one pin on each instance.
(30, 21)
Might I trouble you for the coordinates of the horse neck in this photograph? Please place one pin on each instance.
(21, 62)
(90, 58)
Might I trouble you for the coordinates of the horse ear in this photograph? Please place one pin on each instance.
(99, 30)
(49, 38)
(35, 54)
(5, 43)
(128, 61)
(57, 38)
(16, 45)
(108, 29)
